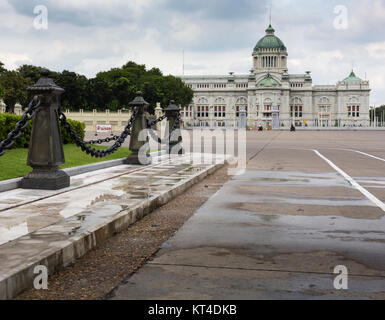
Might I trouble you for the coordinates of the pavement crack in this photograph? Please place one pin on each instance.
(265, 146)
(260, 269)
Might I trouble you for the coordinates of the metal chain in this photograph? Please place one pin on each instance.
(100, 141)
(175, 127)
(150, 124)
(92, 151)
(20, 126)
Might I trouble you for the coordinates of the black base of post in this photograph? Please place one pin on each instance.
(46, 180)
(134, 159)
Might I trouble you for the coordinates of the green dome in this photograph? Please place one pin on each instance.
(270, 41)
(268, 81)
(352, 78)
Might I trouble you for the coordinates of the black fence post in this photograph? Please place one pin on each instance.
(46, 149)
(139, 137)
(173, 134)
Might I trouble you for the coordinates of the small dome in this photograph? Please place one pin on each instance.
(268, 81)
(270, 41)
(352, 78)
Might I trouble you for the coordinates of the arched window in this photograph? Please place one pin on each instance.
(324, 105)
(203, 101)
(267, 108)
(354, 107)
(324, 100)
(241, 102)
(296, 108)
(268, 103)
(220, 108)
(203, 108)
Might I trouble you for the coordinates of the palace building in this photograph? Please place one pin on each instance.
(270, 90)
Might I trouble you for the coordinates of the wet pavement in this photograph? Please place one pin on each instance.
(307, 203)
(54, 228)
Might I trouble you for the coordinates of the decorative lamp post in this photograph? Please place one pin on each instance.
(173, 133)
(46, 149)
(139, 135)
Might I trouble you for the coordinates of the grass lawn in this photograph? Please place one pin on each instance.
(13, 163)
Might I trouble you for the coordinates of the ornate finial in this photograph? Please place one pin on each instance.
(172, 106)
(138, 100)
(45, 72)
(270, 16)
(45, 83)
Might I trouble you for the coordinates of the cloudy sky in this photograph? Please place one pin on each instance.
(88, 36)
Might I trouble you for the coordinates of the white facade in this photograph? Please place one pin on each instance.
(217, 99)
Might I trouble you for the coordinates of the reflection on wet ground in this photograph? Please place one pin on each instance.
(55, 229)
(284, 209)
(101, 195)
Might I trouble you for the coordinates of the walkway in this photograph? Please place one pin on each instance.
(308, 202)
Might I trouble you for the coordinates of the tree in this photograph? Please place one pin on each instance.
(15, 89)
(30, 72)
(174, 89)
(113, 89)
(99, 94)
(2, 69)
(124, 92)
(380, 115)
(155, 72)
(75, 96)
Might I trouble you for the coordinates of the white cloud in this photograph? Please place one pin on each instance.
(89, 36)
(184, 31)
(376, 50)
(13, 60)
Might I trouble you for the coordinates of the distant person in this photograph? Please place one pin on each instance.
(260, 128)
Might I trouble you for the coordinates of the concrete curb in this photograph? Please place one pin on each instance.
(56, 258)
(8, 185)
(333, 129)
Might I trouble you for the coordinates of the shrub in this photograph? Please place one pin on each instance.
(8, 122)
(79, 127)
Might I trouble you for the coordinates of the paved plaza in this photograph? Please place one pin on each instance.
(54, 228)
(308, 202)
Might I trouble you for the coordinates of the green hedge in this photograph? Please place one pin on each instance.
(8, 122)
(79, 127)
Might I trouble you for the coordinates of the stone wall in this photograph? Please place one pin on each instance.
(118, 120)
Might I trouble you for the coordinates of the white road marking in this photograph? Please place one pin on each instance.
(366, 154)
(365, 192)
(373, 182)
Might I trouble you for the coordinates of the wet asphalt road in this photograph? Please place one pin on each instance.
(308, 202)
